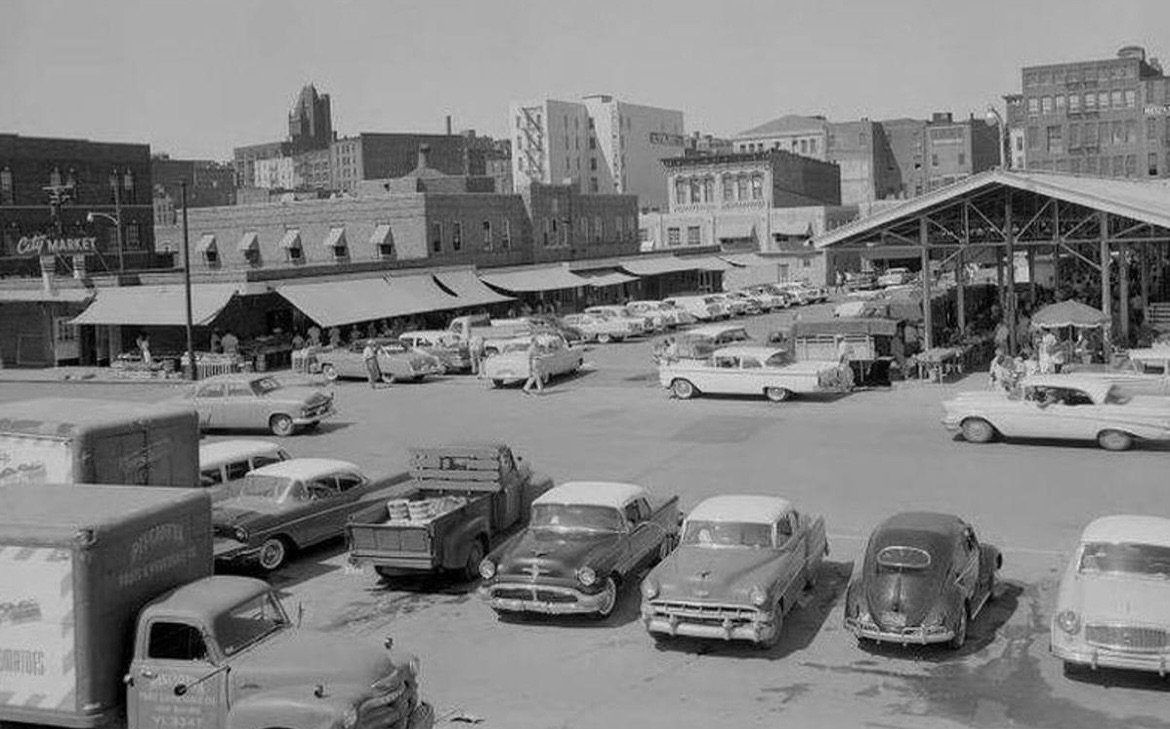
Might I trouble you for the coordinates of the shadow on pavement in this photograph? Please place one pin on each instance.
(302, 565)
(1117, 678)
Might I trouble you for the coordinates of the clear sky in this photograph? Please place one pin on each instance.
(196, 78)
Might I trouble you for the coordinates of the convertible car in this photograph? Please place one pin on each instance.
(923, 579)
(396, 360)
(1070, 407)
(583, 541)
(258, 401)
(511, 365)
(1113, 605)
(291, 505)
(767, 371)
(742, 565)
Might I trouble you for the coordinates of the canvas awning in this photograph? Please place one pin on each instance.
(419, 292)
(334, 303)
(381, 236)
(707, 263)
(206, 243)
(656, 265)
(157, 305)
(68, 296)
(1068, 314)
(747, 259)
(469, 289)
(248, 242)
(613, 278)
(291, 239)
(735, 229)
(336, 237)
(536, 278)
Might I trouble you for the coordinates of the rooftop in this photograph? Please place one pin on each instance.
(737, 508)
(592, 493)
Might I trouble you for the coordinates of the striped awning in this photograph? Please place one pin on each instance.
(248, 242)
(291, 239)
(206, 243)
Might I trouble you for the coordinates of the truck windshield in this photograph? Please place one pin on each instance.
(727, 534)
(574, 517)
(249, 623)
(1141, 560)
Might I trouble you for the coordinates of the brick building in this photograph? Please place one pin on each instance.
(209, 184)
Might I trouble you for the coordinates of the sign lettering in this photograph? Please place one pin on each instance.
(44, 245)
(672, 140)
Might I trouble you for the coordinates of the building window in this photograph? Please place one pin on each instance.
(1059, 103)
(1152, 164)
(1115, 99)
(696, 191)
(592, 142)
(133, 237)
(487, 235)
(643, 234)
(962, 158)
(1090, 102)
(1090, 135)
(1074, 136)
(506, 235)
(597, 231)
(673, 237)
(1130, 131)
(436, 237)
(1033, 106)
(804, 146)
(728, 188)
(6, 194)
(757, 187)
(1130, 98)
(1118, 132)
(211, 257)
(741, 187)
(708, 189)
(934, 160)
(680, 191)
(1151, 128)
(806, 263)
(1055, 143)
(1131, 165)
(1046, 104)
(1074, 103)
(547, 231)
(1033, 135)
(593, 186)
(812, 146)
(1118, 166)
(694, 235)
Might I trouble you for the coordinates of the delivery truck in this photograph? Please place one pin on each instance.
(110, 617)
(78, 440)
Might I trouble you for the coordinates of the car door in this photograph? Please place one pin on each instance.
(792, 542)
(242, 408)
(751, 376)
(644, 535)
(209, 401)
(172, 652)
(324, 516)
(965, 569)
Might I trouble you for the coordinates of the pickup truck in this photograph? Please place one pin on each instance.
(460, 501)
(110, 618)
(494, 332)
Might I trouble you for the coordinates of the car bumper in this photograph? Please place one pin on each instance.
(917, 635)
(316, 416)
(229, 551)
(1097, 657)
(529, 598)
(954, 425)
(679, 625)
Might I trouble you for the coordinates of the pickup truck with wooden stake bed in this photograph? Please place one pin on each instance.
(111, 619)
(76, 440)
(461, 499)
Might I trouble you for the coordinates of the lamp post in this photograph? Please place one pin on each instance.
(995, 119)
(116, 218)
(187, 288)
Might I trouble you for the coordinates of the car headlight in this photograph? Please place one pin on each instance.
(758, 596)
(935, 616)
(487, 569)
(586, 576)
(649, 589)
(349, 720)
(241, 534)
(1069, 622)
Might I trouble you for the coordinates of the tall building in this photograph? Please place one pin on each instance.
(378, 156)
(599, 144)
(1097, 117)
(310, 123)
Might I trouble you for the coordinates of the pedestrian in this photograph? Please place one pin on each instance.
(355, 334)
(334, 337)
(671, 353)
(371, 330)
(314, 336)
(370, 358)
(298, 342)
(231, 345)
(475, 352)
(216, 342)
(840, 281)
(535, 373)
(144, 349)
(1002, 374)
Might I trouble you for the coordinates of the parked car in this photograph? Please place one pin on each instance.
(637, 325)
(742, 564)
(752, 305)
(596, 328)
(769, 297)
(802, 293)
(511, 364)
(752, 370)
(1113, 604)
(396, 360)
(583, 541)
(735, 306)
(291, 505)
(553, 323)
(684, 317)
(258, 401)
(704, 307)
(924, 578)
(664, 315)
(699, 342)
(224, 464)
(896, 276)
(446, 346)
(1068, 407)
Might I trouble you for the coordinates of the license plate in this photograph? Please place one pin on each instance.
(897, 620)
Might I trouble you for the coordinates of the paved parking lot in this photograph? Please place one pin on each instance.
(854, 459)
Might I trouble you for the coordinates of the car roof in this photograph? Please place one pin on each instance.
(230, 450)
(761, 352)
(714, 329)
(592, 493)
(1128, 528)
(922, 521)
(1096, 387)
(305, 468)
(741, 508)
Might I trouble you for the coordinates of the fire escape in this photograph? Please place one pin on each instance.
(532, 151)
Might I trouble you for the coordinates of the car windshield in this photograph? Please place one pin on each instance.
(249, 623)
(576, 517)
(900, 559)
(265, 385)
(1128, 558)
(259, 486)
(727, 534)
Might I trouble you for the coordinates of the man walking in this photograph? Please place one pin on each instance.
(373, 371)
(535, 376)
(475, 351)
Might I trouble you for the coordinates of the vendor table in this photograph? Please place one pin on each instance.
(938, 362)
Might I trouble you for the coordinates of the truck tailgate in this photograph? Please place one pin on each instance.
(387, 540)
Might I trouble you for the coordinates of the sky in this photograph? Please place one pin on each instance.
(195, 79)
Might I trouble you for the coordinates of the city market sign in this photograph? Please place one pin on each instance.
(43, 245)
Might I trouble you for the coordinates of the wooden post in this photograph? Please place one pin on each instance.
(1009, 256)
(1144, 273)
(1123, 289)
(1106, 289)
(927, 318)
(1032, 276)
(960, 295)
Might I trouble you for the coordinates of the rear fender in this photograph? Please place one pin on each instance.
(457, 542)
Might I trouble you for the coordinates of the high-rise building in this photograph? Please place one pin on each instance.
(310, 123)
(599, 144)
(1097, 117)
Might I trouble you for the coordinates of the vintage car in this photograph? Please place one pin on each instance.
(510, 365)
(752, 304)
(258, 401)
(223, 464)
(734, 306)
(664, 315)
(768, 296)
(704, 307)
(396, 360)
(895, 277)
(751, 370)
(1069, 407)
(1144, 371)
(290, 505)
(1113, 604)
(584, 540)
(599, 328)
(742, 564)
(635, 324)
(446, 346)
(699, 342)
(923, 579)
(802, 292)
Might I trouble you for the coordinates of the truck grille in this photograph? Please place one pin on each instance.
(697, 612)
(390, 710)
(1132, 638)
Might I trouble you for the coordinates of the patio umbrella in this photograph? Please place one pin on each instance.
(1068, 314)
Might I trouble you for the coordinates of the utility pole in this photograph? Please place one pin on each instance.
(117, 178)
(187, 289)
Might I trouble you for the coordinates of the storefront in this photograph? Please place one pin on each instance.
(35, 328)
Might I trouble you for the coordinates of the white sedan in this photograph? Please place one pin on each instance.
(752, 370)
(1069, 407)
(511, 364)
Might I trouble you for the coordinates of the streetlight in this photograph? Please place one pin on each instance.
(116, 218)
(995, 119)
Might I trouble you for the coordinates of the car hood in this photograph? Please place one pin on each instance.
(1111, 598)
(715, 574)
(557, 554)
(909, 593)
(241, 509)
(308, 658)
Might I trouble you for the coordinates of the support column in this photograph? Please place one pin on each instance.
(927, 313)
(1032, 275)
(1106, 289)
(1009, 256)
(1123, 289)
(960, 291)
(1144, 277)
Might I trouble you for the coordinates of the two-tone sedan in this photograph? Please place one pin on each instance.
(635, 324)
(584, 541)
(596, 328)
(447, 346)
(287, 506)
(397, 361)
(512, 364)
(1113, 605)
(752, 370)
(664, 315)
(251, 401)
(742, 565)
(923, 579)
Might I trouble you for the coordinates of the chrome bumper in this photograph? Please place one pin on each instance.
(310, 419)
(918, 635)
(754, 632)
(229, 550)
(953, 425)
(1096, 657)
(576, 602)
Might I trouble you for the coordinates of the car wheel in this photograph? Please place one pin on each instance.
(977, 430)
(388, 378)
(475, 555)
(683, 389)
(281, 425)
(777, 394)
(960, 638)
(605, 609)
(1115, 440)
(273, 554)
(329, 372)
(604, 338)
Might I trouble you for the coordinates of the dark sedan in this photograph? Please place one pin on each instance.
(924, 578)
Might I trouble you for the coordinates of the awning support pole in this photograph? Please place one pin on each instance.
(1144, 272)
(1123, 289)
(927, 318)
(1106, 289)
(961, 274)
(187, 289)
(1009, 262)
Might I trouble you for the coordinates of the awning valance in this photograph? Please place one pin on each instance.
(735, 229)
(336, 238)
(291, 239)
(537, 278)
(248, 242)
(656, 265)
(747, 259)
(469, 289)
(157, 305)
(381, 236)
(206, 243)
(334, 303)
(615, 278)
